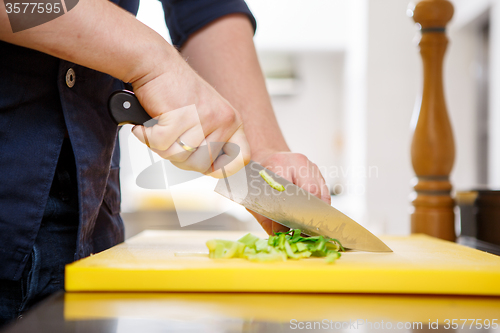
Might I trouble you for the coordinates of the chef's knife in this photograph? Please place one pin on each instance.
(295, 208)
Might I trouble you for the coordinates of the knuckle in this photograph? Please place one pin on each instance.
(302, 158)
(228, 115)
(158, 139)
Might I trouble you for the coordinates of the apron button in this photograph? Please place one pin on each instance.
(70, 78)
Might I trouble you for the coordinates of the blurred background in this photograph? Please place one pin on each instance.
(344, 78)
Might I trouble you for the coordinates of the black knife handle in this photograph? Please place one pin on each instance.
(125, 108)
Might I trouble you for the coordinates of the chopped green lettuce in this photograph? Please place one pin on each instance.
(280, 247)
(249, 240)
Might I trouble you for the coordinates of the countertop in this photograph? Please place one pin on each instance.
(255, 312)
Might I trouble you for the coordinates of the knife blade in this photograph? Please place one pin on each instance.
(295, 208)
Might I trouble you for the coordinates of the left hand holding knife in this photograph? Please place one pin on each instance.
(298, 169)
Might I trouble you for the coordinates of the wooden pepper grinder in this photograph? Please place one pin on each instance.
(432, 148)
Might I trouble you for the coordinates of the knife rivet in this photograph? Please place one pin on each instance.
(126, 104)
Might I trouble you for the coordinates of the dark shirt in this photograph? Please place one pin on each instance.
(40, 100)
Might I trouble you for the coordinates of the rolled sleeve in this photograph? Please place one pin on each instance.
(185, 17)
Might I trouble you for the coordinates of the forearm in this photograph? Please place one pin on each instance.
(223, 53)
(99, 35)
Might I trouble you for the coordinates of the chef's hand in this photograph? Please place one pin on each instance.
(162, 80)
(297, 169)
(189, 109)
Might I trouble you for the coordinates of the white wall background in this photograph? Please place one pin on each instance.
(392, 83)
(298, 25)
(357, 73)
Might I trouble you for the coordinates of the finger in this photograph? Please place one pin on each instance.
(236, 154)
(264, 222)
(306, 181)
(158, 137)
(192, 138)
(325, 194)
(215, 138)
(269, 226)
(313, 187)
(202, 158)
(171, 125)
(310, 179)
(237, 144)
(279, 228)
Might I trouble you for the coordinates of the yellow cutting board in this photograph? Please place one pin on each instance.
(177, 261)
